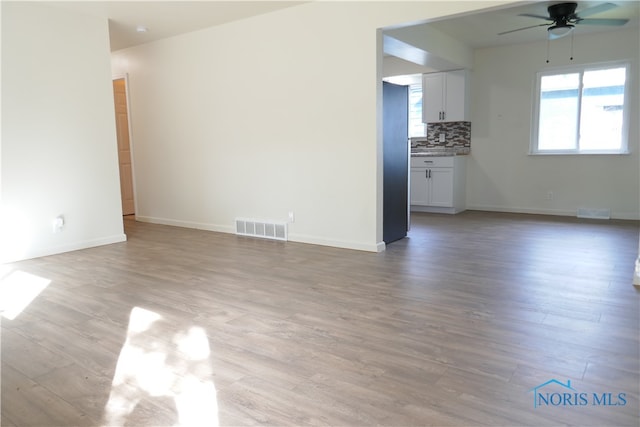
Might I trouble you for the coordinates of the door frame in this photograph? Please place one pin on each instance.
(125, 76)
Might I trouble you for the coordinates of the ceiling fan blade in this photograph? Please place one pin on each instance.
(530, 15)
(596, 21)
(524, 28)
(596, 9)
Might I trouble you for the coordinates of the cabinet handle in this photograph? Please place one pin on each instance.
(426, 174)
(429, 173)
(444, 115)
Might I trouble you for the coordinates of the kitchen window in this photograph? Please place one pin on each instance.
(581, 110)
(413, 82)
(416, 127)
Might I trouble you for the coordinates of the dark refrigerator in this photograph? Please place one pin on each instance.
(395, 124)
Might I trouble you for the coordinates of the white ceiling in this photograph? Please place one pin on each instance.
(481, 29)
(168, 18)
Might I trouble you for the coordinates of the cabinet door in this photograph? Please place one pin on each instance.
(454, 96)
(419, 187)
(441, 187)
(432, 94)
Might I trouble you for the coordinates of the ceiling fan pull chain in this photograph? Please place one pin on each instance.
(547, 50)
(571, 57)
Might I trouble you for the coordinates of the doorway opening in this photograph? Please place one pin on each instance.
(124, 147)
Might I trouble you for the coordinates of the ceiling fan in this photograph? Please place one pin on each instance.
(563, 18)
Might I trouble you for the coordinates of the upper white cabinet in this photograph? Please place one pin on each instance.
(445, 97)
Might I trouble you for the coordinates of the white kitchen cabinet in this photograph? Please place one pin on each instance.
(445, 97)
(438, 184)
(432, 187)
(419, 183)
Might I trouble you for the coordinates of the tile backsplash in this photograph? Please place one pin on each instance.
(457, 137)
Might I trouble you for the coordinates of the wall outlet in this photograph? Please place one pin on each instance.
(292, 217)
(57, 224)
(442, 136)
(549, 195)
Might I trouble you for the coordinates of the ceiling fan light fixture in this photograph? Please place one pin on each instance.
(557, 31)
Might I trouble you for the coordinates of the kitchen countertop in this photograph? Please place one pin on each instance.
(433, 154)
(438, 153)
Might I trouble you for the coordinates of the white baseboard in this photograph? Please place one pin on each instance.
(535, 211)
(76, 246)
(633, 216)
(292, 237)
(343, 244)
(187, 224)
(436, 209)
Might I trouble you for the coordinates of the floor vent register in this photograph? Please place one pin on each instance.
(263, 229)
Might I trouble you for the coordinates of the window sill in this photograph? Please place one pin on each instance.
(578, 153)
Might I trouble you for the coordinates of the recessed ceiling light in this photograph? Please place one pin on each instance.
(141, 29)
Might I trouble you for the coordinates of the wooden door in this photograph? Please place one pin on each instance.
(124, 147)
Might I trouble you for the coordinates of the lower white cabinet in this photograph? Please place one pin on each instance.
(438, 184)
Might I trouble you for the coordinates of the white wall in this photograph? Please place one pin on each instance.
(268, 115)
(393, 66)
(444, 51)
(502, 177)
(59, 153)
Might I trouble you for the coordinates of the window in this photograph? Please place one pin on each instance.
(416, 127)
(414, 85)
(581, 110)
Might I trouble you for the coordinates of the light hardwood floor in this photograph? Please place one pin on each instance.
(454, 325)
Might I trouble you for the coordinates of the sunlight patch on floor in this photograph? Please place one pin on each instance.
(154, 363)
(17, 290)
